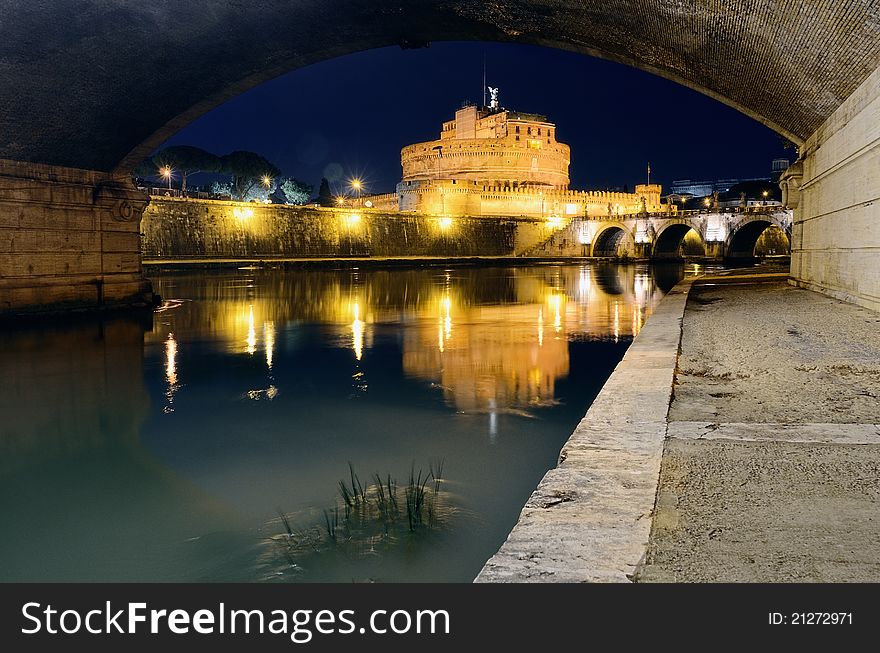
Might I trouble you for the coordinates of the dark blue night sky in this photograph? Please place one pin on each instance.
(350, 116)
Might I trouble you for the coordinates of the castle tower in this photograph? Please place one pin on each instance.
(491, 147)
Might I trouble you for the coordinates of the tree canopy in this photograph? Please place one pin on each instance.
(247, 170)
(295, 191)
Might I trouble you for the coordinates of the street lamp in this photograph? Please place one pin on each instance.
(267, 181)
(166, 171)
(340, 200)
(356, 186)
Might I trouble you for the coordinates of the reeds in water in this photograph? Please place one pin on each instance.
(366, 517)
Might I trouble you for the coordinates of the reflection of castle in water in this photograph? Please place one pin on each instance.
(494, 343)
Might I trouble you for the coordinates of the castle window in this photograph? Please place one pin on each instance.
(517, 129)
(539, 131)
(517, 138)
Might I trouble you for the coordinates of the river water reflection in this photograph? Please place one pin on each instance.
(165, 450)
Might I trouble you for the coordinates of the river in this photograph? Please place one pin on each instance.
(207, 441)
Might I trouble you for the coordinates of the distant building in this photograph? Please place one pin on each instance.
(777, 167)
(682, 187)
(499, 162)
(688, 188)
(780, 165)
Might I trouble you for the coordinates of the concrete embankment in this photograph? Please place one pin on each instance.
(770, 450)
(590, 517)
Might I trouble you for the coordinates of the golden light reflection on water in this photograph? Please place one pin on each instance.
(480, 337)
(358, 327)
(252, 332)
(269, 339)
(170, 372)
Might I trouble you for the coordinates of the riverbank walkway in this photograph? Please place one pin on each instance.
(765, 466)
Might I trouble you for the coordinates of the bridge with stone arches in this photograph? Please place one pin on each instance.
(723, 235)
(86, 94)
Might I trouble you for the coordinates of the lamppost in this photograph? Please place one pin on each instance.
(357, 186)
(166, 173)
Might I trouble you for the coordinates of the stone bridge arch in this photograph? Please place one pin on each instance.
(670, 235)
(743, 234)
(132, 74)
(613, 240)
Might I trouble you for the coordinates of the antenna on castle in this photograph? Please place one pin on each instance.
(484, 79)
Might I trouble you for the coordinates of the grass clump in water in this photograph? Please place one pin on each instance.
(369, 517)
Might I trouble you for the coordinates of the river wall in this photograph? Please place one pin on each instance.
(175, 228)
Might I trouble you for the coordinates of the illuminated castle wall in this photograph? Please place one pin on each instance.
(496, 162)
(495, 148)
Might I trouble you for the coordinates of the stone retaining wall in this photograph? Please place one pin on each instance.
(192, 229)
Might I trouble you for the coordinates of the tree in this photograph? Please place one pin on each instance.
(145, 168)
(325, 197)
(221, 188)
(248, 171)
(295, 191)
(186, 160)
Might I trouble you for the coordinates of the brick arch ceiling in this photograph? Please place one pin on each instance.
(98, 83)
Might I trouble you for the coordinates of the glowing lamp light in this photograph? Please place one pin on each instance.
(357, 184)
(267, 181)
(444, 223)
(706, 202)
(368, 204)
(242, 214)
(166, 171)
(353, 219)
(340, 200)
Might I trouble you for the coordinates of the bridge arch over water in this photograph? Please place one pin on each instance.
(113, 80)
(613, 240)
(744, 234)
(669, 239)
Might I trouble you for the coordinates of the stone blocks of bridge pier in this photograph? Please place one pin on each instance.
(836, 231)
(69, 239)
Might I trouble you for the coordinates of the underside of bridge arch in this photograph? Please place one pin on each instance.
(741, 244)
(670, 243)
(611, 242)
(116, 78)
(87, 93)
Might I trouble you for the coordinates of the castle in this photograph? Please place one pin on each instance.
(491, 161)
